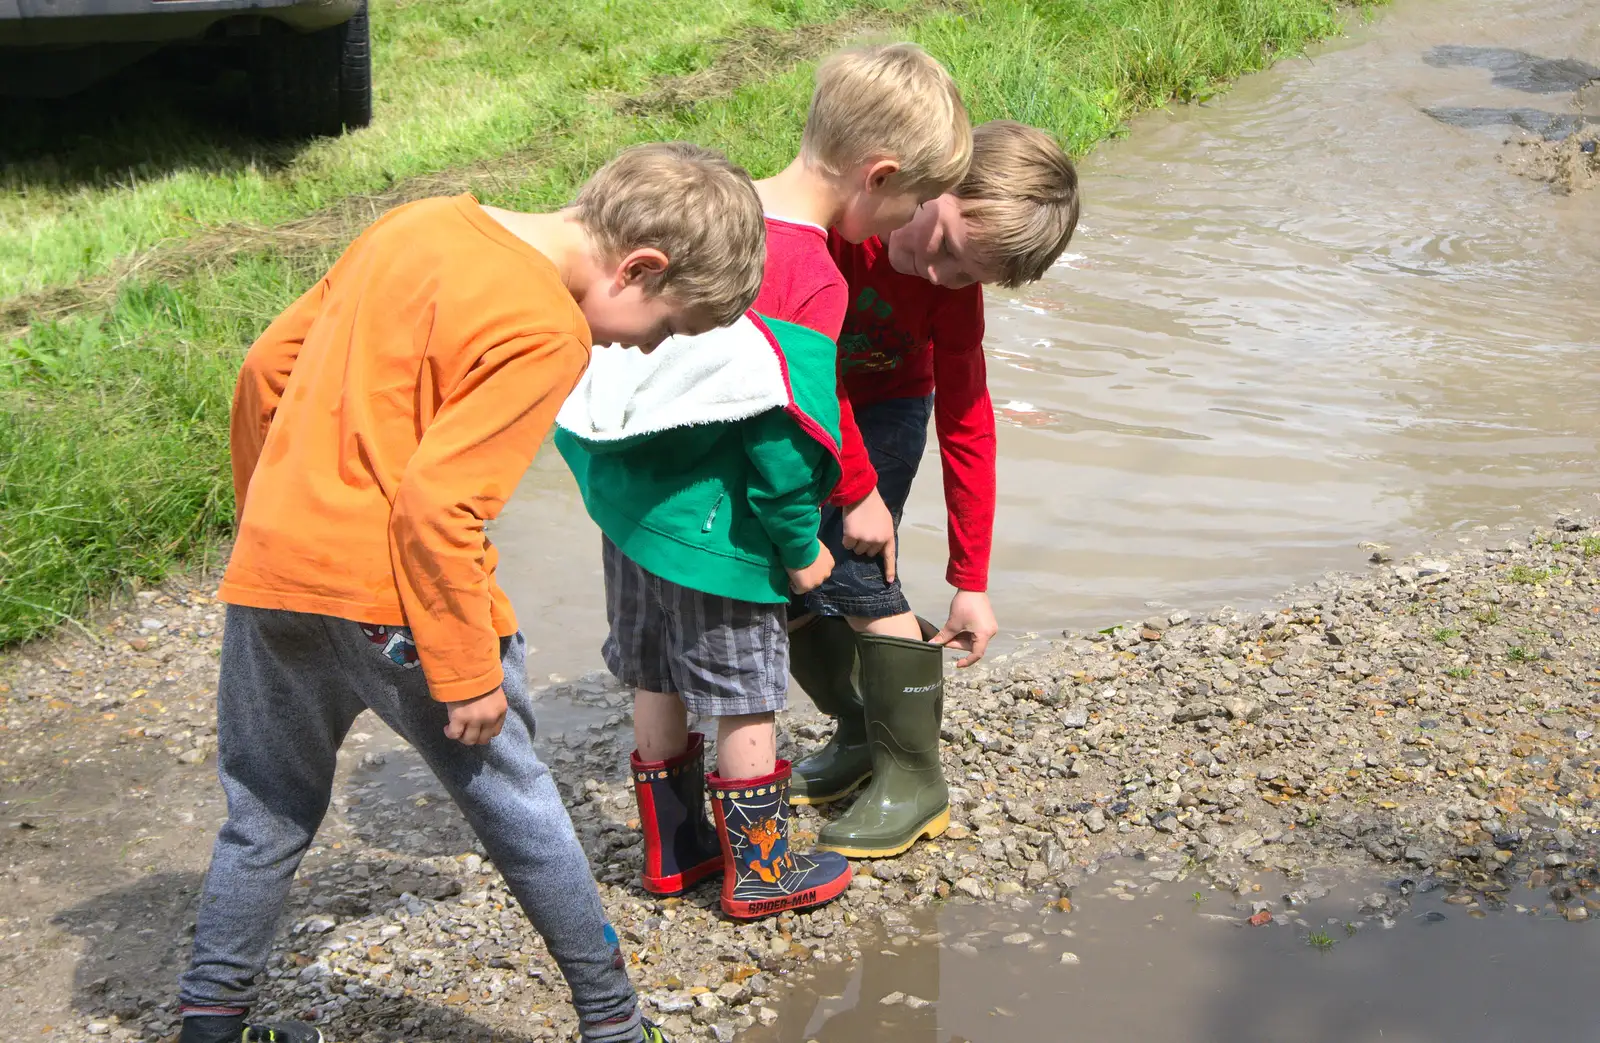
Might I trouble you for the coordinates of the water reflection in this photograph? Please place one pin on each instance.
(1552, 126)
(1518, 70)
(903, 969)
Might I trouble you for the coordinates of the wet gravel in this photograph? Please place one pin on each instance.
(1431, 720)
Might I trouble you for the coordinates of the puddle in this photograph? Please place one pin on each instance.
(1127, 965)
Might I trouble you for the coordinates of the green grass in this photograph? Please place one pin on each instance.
(113, 438)
(1487, 616)
(1591, 546)
(1445, 634)
(1520, 654)
(1460, 673)
(113, 407)
(1527, 574)
(1320, 940)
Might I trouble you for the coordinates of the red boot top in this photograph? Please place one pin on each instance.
(680, 845)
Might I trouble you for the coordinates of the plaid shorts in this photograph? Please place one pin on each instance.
(721, 656)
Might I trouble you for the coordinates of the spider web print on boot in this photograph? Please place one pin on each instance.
(763, 874)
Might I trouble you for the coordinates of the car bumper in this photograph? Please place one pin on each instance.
(81, 22)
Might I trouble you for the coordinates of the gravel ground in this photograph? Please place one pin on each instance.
(1431, 720)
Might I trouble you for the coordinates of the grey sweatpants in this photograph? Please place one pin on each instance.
(291, 686)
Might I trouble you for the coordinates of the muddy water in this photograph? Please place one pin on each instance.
(1310, 314)
(1162, 966)
(1305, 315)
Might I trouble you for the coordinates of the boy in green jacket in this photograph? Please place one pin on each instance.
(705, 464)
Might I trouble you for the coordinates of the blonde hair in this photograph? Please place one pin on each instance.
(1020, 200)
(693, 205)
(891, 101)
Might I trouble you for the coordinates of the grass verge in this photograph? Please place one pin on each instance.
(114, 394)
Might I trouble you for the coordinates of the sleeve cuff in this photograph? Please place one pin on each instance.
(467, 688)
(801, 556)
(977, 582)
(852, 489)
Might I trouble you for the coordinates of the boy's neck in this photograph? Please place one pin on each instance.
(560, 238)
(802, 193)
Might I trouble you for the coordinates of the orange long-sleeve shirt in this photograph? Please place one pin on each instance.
(386, 416)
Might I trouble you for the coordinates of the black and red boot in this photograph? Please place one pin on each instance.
(764, 875)
(680, 845)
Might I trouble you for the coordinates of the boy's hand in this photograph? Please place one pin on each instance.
(805, 580)
(473, 722)
(970, 626)
(869, 531)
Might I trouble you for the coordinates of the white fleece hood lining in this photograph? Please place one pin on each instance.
(724, 376)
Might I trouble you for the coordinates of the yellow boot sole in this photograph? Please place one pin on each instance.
(934, 827)
(807, 800)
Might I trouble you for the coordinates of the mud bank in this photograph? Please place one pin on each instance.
(1432, 720)
(1569, 165)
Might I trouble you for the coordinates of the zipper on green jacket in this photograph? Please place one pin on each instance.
(711, 516)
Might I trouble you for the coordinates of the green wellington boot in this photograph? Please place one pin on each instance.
(902, 688)
(822, 657)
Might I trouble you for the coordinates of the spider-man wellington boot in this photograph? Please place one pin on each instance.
(764, 875)
(680, 845)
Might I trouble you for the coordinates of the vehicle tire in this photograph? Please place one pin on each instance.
(313, 84)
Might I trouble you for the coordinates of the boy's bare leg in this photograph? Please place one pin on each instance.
(660, 725)
(904, 625)
(747, 746)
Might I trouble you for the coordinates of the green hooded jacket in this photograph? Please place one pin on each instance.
(707, 461)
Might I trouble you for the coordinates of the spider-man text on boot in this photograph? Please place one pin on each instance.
(763, 875)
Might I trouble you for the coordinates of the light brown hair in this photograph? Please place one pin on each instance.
(1020, 200)
(693, 205)
(891, 101)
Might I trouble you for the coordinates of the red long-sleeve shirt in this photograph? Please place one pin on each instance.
(800, 283)
(904, 337)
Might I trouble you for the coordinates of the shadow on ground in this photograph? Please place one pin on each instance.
(174, 110)
(137, 940)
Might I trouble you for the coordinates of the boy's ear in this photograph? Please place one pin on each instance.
(880, 172)
(639, 264)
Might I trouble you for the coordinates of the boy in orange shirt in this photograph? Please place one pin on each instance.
(379, 423)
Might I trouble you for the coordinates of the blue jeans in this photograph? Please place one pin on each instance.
(895, 432)
(291, 686)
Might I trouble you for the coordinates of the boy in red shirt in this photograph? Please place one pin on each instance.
(886, 132)
(915, 324)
